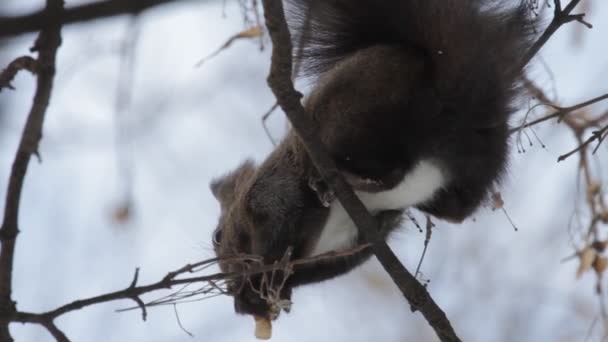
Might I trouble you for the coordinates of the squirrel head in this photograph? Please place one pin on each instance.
(233, 235)
(257, 205)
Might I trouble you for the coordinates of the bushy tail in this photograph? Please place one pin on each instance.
(473, 46)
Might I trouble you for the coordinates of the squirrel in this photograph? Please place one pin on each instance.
(412, 100)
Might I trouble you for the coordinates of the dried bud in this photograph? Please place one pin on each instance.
(604, 216)
(587, 256)
(594, 188)
(497, 201)
(599, 264)
(122, 214)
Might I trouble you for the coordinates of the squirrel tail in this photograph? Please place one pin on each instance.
(472, 46)
(453, 32)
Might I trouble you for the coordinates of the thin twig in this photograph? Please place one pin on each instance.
(55, 332)
(560, 112)
(179, 322)
(265, 118)
(429, 230)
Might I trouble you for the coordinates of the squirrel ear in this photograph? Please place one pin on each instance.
(225, 187)
(216, 186)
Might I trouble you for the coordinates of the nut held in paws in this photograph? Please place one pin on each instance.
(263, 328)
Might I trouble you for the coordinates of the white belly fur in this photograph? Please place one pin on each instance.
(417, 186)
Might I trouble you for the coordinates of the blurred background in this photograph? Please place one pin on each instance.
(135, 132)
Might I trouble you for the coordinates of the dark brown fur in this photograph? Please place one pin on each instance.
(394, 82)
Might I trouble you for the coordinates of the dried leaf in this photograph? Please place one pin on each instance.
(604, 216)
(586, 257)
(594, 189)
(252, 32)
(599, 265)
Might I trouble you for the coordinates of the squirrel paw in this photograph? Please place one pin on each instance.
(324, 193)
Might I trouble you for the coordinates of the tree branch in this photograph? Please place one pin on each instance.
(10, 26)
(170, 280)
(46, 45)
(288, 98)
(560, 17)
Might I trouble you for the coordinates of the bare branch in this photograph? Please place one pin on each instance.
(10, 26)
(134, 292)
(46, 44)
(427, 239)
(560, 17)
(288, 98)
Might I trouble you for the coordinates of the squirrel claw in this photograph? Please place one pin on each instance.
(324, 193)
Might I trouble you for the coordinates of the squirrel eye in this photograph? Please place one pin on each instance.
(217, 236)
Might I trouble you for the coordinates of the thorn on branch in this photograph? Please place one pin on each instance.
(578, 17)
(135, 278)
(135, 296)
(38, 156)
